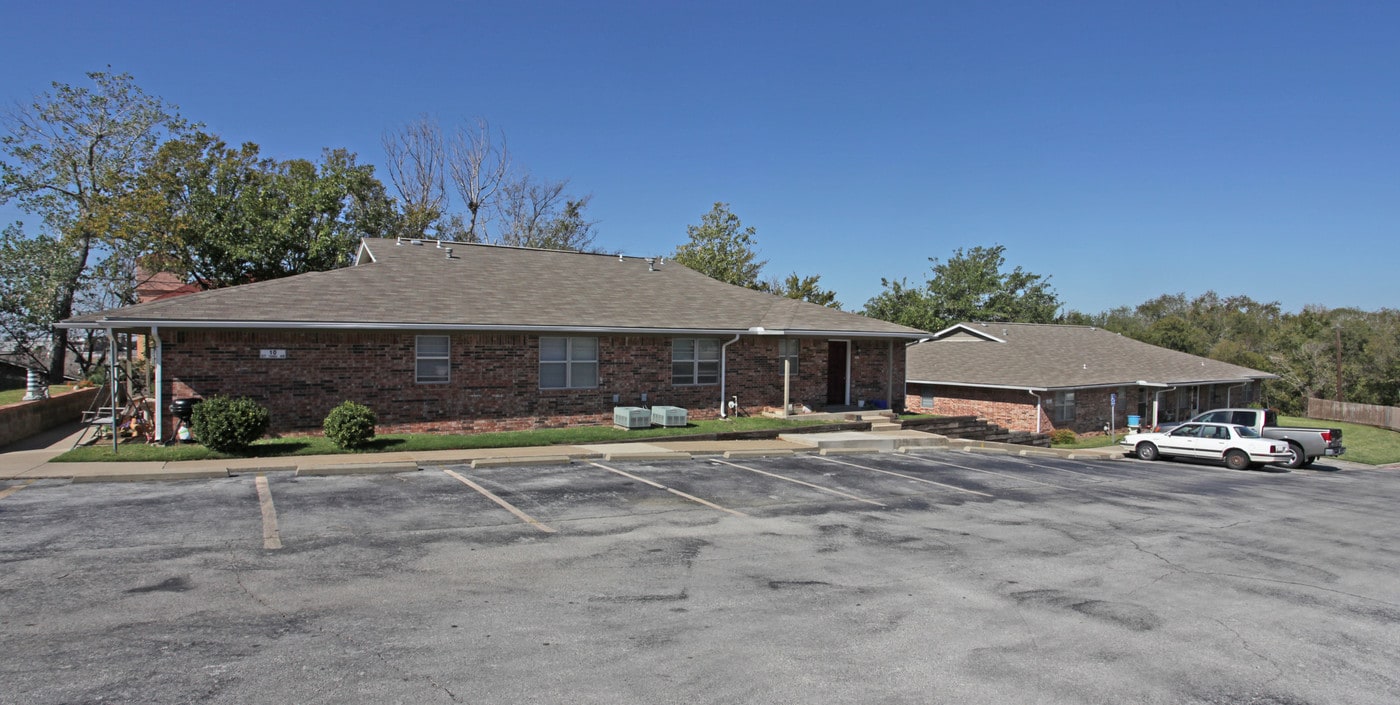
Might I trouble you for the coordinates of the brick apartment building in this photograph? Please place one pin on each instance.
(440, 336)
(1031, 377)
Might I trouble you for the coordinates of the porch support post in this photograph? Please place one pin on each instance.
(112, 382)
(159, 370)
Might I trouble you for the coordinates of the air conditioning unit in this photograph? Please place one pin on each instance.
(630, 417)
(667, 416)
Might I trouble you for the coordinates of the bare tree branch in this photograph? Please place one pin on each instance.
(416, 157)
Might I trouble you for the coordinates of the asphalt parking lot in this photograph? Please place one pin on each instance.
(929, 577)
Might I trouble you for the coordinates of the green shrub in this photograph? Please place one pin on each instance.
(229, 424)
(350, 425)
(1062, 436)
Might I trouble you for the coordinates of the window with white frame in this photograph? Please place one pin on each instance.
(433, 359)
(1064, 406)
(568, 363)
(694, 361)
(787, 352)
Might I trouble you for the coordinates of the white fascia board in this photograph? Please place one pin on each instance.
(969, 329)
(124, 324)
(1016, 387)
(1235, 380)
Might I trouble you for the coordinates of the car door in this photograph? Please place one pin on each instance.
(1182, 440)
(1212, 441)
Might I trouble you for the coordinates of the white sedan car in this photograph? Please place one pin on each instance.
(1240, 447)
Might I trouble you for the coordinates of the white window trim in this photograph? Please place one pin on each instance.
(418, 356)
(695, 363)
(795, 356)
(569, 361)
(1058, 406)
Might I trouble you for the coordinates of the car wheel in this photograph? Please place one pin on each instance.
(1147, 451)
(1308, 463)
(1237, 460)
(1295, 457)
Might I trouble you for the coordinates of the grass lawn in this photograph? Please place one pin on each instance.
(1098, 441)
(318, 445)
(1364, 444)
(10, 396)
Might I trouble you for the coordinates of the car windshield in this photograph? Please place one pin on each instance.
(1245, 432)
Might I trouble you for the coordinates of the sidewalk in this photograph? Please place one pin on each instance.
(31, 459)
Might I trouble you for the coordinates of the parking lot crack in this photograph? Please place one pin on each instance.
(348, 639)
(1278, 670)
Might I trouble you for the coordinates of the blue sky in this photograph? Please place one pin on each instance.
(1125, 149)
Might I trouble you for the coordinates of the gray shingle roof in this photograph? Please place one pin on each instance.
(1033, 356)
(496, 288)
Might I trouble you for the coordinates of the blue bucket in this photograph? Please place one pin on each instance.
(1134, 420)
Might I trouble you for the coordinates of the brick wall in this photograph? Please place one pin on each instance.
(27, 418)
(1012, 409)
(1016, 409)
(494, 378)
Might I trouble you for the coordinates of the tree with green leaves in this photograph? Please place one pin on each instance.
(720, 247)
(218, 215)
(33, 270)
(804, 289)
(969, 286)
(66, 158)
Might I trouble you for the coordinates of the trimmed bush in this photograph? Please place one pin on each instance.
(350, 425)
(1062, 436)
(228, 424)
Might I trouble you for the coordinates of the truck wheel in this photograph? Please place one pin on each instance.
(1295, 456)
(1147, 451)
(1237, 460)
(1308, 463)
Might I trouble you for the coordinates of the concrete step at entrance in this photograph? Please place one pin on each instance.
(883, 441)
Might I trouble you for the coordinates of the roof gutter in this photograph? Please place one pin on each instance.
(325, 325)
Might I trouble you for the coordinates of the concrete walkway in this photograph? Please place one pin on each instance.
(32, 459)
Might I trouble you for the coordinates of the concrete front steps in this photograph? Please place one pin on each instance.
(881, 441)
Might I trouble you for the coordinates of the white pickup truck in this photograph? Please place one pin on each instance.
(1304, 444)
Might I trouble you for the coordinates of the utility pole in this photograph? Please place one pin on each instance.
(1340, 398)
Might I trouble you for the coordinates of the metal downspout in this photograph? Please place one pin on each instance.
(1157, 403)
(1228, 390)
(156, 352)
(723, 358)
(1038, 408)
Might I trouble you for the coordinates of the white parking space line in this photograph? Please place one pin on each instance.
(907, 477)
(800, 482)
(272, 539)
(676, 492)
(1033, 464)
(15, 488)
(504, 504)
(989, 472)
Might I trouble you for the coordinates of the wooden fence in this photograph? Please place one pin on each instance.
(1367, 414)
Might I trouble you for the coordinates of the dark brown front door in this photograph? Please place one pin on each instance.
(836, 351)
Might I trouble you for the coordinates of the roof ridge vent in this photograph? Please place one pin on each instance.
(398, 240)
(439, 245)
(449, 252)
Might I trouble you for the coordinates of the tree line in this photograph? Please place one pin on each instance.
(1344, 353)
(117, 179)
